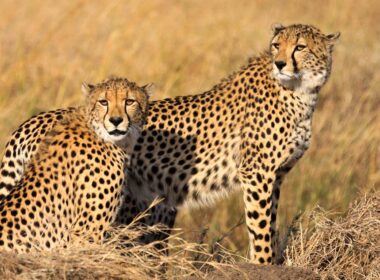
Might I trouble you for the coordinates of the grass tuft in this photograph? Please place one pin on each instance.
(346, 247)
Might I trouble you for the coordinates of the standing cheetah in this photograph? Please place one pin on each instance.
(74, 183)
(245, 133)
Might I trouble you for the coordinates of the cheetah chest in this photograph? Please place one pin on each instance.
(299, 142)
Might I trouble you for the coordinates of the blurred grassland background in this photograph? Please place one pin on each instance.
(47, 48)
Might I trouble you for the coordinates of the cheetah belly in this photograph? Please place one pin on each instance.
(215, 177)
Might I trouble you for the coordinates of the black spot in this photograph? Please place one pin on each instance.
(263, 203)
(259, 178)
(263, 224)
(255, 196)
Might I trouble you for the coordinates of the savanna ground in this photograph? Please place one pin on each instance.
(47, 48)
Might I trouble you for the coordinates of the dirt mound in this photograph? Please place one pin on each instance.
(256, 272)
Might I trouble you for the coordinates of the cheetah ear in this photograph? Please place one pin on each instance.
(87, 88)
(277, 27)
(332, 38)
(149, 89)
(112, 76)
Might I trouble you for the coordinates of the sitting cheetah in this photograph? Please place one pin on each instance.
(74, 183)
(245, 133)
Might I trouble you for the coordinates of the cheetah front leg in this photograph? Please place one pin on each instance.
(275, 201)
(258, 190)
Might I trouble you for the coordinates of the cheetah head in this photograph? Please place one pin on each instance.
(116, 108)
(301, 56)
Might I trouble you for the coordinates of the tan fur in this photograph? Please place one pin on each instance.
(245, 133)
(74, 184)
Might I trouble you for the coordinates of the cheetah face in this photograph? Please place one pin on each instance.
(301, 56)
(117, 109)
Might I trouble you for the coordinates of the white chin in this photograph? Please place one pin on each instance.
(116, 138)
(284, 77)
(288, 81)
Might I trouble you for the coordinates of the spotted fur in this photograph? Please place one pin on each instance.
(246, 133)
(73, 186)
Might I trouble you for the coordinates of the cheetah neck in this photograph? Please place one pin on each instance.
(308, 87)
(265, 86)
(309, 98)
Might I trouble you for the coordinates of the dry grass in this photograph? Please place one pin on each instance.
(120, 257)
(347, 247)
(47, 48)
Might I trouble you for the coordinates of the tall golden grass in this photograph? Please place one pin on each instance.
(47, 48)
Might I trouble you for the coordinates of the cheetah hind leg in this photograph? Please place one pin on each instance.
(164, 217)
(156, 214)
(159, 214)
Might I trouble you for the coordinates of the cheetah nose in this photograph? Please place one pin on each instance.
(116, 120)
(280, 64)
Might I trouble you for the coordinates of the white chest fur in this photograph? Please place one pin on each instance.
(303, 104)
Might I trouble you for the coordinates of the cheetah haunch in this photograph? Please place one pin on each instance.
(245, 133)
(73, 186)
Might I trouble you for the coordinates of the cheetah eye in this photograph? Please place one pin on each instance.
(103, 102)
(129, 102)
(276, 45)
(300, 47)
